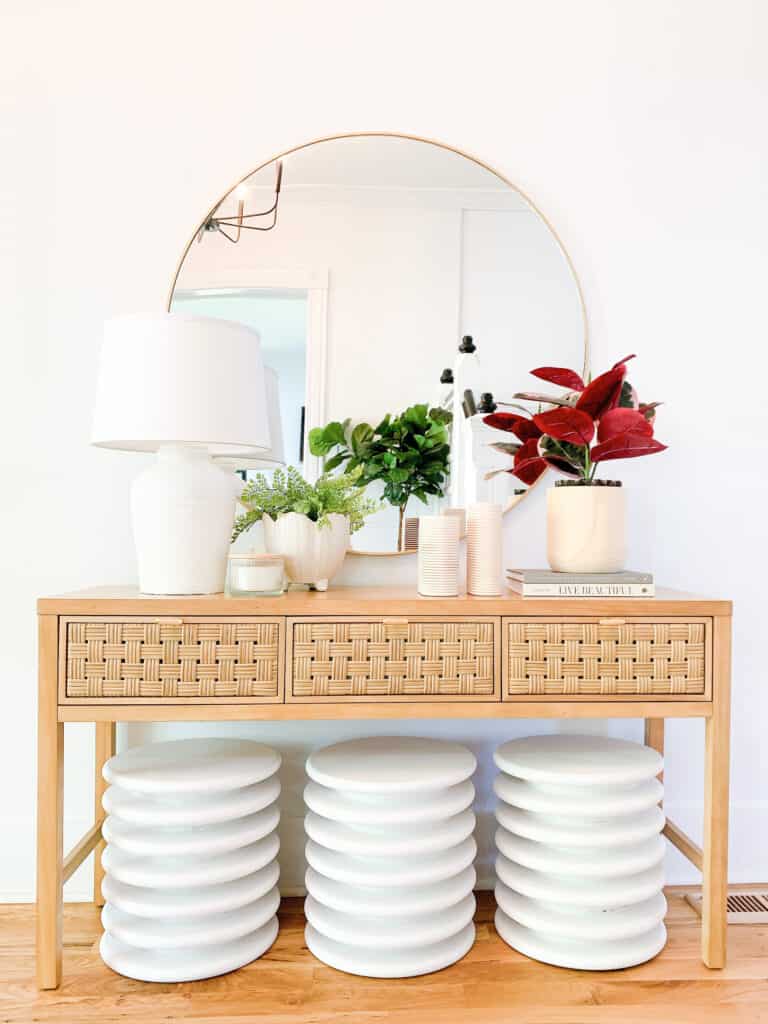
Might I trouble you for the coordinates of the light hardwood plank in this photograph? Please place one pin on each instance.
(493, 984)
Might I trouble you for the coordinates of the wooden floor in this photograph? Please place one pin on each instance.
(492, 984)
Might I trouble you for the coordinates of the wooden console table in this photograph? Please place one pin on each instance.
(112, 654)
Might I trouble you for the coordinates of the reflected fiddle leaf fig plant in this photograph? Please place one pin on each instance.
(408, 453)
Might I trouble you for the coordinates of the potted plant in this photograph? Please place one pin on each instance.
(574, 433)
(308, 524)
(408, 453)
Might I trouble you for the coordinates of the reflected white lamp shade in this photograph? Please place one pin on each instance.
(275, 455)
(187, 387)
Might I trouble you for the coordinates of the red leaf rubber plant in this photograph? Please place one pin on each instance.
(588, 424)
(573, 433)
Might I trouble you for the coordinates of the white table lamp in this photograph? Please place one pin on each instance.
(186, 387)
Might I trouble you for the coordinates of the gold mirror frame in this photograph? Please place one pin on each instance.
(514, 501)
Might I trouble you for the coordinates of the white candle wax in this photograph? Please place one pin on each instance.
(258, 578)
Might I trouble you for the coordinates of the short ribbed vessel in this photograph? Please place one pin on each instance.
(391, 853)
(190, 865)
(438, 556)
(484, 549)
(580, 865)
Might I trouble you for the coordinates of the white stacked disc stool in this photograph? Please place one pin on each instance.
(580, 865)
(391, 855)
(190, 864)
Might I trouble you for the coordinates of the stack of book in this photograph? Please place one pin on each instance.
(545, 583)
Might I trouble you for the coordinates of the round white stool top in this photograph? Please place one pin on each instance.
(579, 760)
(197, 765)
(391, 764)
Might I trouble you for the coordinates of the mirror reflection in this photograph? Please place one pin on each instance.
(363, 262)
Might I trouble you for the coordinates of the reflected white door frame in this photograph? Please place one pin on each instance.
(311, 281)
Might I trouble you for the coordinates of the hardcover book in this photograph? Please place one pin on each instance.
(548, 576)
(582, 589)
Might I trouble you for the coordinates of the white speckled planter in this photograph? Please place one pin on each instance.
(190, 864)
(391, 853)
(580, 852)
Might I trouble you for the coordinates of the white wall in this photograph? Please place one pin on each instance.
(636, 128)
(393, 301)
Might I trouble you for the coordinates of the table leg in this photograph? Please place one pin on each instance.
(105, 748)
(716, 775)
(50, 807)
(654, 737)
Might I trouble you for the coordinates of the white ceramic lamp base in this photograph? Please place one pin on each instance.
(190, 864)
(580, 852)
(391, 852)
(183, 508)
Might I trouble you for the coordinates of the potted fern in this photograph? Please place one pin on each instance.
(308, 524)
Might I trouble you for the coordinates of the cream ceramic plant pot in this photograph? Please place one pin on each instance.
(313, 554)
(586, 528)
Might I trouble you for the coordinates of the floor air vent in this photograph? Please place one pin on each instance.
(743, 907)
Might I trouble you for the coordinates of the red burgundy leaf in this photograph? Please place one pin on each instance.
(530, 471)
(603, 393)
(559, 375)
(622, 421)
(571, 425)
(628, 445)
(624, 360)
(520, 426)
(529, 465)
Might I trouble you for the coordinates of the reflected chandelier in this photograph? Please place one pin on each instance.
(236, 221)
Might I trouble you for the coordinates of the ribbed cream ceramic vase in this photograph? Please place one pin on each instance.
(484, 549)
(586, 529)
(438, 556)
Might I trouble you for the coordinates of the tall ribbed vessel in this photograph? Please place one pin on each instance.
(580, 865)
(190, 865)
(391, 853)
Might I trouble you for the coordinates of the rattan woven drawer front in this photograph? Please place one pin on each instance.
(403, 660)
(606, 658)
(172, 660)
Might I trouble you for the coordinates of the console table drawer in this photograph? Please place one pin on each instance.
(171, 661)
(634, 657)
(419, 658)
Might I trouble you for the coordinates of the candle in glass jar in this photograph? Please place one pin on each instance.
(252, 574)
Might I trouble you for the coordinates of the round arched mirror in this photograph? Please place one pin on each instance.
(366, 263)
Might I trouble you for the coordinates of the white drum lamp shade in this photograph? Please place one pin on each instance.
(172, 378)
(274, 455)
(186, 387)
